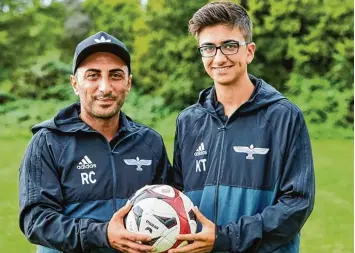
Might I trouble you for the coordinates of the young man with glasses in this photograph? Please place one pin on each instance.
(242, 152)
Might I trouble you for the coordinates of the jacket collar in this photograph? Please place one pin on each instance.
(68, 120)
(262, 96)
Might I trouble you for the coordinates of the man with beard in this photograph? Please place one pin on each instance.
(81, 166)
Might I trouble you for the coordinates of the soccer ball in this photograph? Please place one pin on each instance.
(162, 212)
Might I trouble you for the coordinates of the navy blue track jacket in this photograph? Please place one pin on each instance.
(251, 174)
(72, 180)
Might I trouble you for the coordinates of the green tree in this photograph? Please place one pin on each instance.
(308, 37)
(30, 39)
(168, 62)
(117, 17)
(304, 49)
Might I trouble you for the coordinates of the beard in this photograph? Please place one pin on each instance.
(106, 112)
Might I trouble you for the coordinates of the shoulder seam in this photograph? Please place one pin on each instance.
(278, 141)
(188, 108)
(146, 127)
(143, 139)
(290, 106)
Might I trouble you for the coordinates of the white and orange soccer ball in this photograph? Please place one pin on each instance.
(162, 212)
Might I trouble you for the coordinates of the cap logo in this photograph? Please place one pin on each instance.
(102, 39)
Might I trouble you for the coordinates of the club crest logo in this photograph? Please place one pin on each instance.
(138, 162)
(250, 151)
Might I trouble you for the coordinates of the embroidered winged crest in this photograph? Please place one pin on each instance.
(250, 151)
(137, 162)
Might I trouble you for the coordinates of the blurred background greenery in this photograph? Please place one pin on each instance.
(305, 49)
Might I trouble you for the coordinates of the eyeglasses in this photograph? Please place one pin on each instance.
(226, 48)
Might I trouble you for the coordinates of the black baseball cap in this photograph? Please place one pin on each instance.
(100, 42)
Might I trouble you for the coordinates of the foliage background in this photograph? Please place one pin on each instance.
(305, 48)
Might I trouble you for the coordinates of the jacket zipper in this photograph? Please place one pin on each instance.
(223, 128)
(114, 181)
(114, 206)
(114, 170)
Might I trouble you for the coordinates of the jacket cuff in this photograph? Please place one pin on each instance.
(97, 235)
(222, 241)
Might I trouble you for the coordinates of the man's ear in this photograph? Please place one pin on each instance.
(129, 83)
(251, 51)
(74, 84)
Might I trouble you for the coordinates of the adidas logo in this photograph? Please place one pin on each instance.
(102, 39)
(200, 150)
(86, 163)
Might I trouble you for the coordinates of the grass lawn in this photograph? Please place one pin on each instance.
(328, 230)
(11, 238)
(330, 226)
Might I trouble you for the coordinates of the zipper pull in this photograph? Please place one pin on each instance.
(222, 128)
